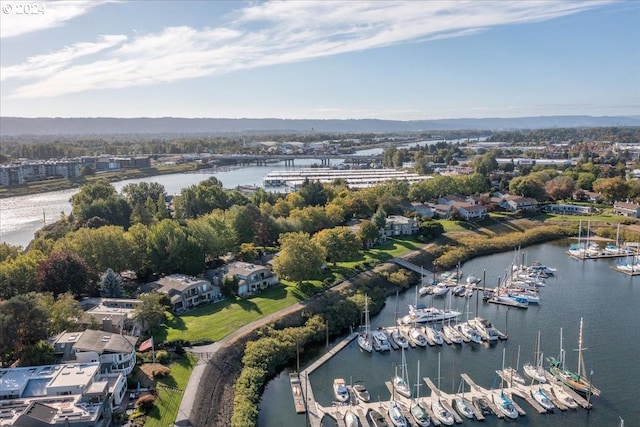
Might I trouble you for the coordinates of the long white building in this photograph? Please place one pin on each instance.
(355, 178)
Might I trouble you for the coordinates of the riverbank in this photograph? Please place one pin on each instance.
(66, 184)
(215, 381)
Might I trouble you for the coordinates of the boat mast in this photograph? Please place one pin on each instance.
(580, 361)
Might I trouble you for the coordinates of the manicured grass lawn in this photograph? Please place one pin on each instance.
(166, 408)
(452, 225)
(215, 321)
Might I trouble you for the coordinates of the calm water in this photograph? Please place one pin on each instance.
(21, 217)
(607, 300)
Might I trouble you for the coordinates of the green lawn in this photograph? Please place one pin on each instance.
(166, 408)
(452, 225)
(215, 321)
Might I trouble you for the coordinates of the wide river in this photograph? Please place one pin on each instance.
(607, 300)
(21, 217)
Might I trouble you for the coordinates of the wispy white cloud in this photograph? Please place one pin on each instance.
(265, 34)
(21, 17)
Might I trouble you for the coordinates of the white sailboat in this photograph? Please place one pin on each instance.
(364, 338)
(439, 411)
(463, 406)
(418, 413)
(535, 370)
(396, 335)
(401, 382)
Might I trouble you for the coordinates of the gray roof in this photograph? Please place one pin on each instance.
(105, 342)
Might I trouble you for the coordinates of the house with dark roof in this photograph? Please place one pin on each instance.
(114, 352)
(398, 225)
(186, 292)
(251, 277)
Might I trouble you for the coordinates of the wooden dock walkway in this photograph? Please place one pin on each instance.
(316, 412)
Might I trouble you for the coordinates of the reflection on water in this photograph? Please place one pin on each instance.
(607, 301)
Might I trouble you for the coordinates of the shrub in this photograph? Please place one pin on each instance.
(145, 403)
(163, 357)
(160, 372)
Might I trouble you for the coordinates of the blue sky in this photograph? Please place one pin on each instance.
(401, 60)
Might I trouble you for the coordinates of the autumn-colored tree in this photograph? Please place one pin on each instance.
(64, 272)
(612, 189)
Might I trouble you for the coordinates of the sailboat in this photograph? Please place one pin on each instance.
(535, 370)
(541, 397)
(462, 405)
(364, 338)
(418, 413)
(395, 413)
(575, 380)
(400, 382)
(396, 335)
(351, 419)
(511, 373)
(439, 411)
(502, 401)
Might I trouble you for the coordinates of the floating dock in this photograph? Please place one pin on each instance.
(296, 392)
(632, 272)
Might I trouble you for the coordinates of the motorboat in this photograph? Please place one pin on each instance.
(376, 419)
(365, 341)
(439, 289)
(395, 414)
(361, 392)
(421, 314)
(469, 332)
(513, 301)
(417, 337)
(504, 404)
(441, 413)
(380, 341)
(426, 289)
(541, 397)
(463, 406)
(433, 335)
(482, 405)
(340, 390)
(485, 329)
(398, 337)
(351, 419)
(419, 414)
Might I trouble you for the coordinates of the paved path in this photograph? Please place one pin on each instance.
(204, 353)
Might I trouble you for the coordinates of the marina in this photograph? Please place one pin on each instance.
(613, 373)
(355, 178)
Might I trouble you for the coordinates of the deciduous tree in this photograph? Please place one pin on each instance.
(64, 272)
(300, 258)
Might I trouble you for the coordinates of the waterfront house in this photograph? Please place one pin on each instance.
(421, 209)
(186, 292)
(114, 352)
(69, 395)
(398, 225)
(251, 277)
(114, 314)
(471, 212)
(518, 203)
(628, 209)
(568, 209)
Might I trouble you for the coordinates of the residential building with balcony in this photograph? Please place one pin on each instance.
(186, 292)
(251, 277)
(69, 395)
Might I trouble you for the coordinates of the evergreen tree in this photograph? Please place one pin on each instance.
(111, 285)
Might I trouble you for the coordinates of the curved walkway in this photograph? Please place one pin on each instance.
(205, 352)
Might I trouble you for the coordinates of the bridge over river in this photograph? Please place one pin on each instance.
(289, 159)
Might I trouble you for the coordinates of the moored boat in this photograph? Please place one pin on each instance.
(561, 394)
(463, 406)
(365, 341)
(351, 419)
(481, 405)
(361, 392)
(398, 337)
(380, 341)
(433, 335)
(340, 390)
(504, 404)
(395, 414)
(417, 337)
(376, 418)
(419, 414)
(440, 412)
(541, 397)
(485, 329)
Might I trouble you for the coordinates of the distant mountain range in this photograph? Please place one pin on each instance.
(13, 126)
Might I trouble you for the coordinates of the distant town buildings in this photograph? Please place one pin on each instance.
(23, 172)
